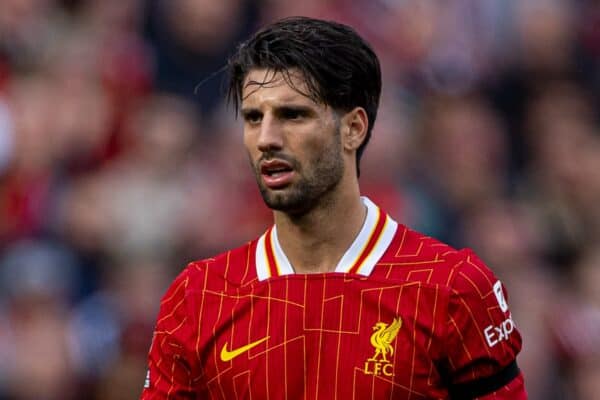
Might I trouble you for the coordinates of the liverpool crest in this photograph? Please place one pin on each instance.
(381, 339)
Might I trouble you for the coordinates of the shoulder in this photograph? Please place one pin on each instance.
(411, 246)
(467, 273)
(412, 254)
(222, 273)
(234, 267)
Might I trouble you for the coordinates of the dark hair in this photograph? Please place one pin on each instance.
(340, 68)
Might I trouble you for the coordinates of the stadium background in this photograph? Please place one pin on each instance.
(119, 162)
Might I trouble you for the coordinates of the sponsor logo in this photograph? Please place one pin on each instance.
(382, 340)
(500, 296)
(495, 334)
(228, 355)
(147, 381)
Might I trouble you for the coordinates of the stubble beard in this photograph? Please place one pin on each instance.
(318, 178)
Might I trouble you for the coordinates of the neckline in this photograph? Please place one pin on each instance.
(360, 258)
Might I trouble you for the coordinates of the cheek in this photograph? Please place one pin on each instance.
(250, 145)
(246, 138)
(320, 138)
(319, 155)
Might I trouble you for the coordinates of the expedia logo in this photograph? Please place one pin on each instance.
(500, 296)
(496, 334)
(382, 340)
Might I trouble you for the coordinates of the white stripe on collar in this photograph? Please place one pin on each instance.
(262, 265)
(361, 257)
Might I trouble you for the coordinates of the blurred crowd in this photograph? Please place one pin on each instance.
(120, 162)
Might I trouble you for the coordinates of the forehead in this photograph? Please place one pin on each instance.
(289, 85)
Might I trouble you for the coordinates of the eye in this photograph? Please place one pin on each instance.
(252, 117)
(292, 113)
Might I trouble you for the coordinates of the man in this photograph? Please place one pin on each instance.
(336, 300)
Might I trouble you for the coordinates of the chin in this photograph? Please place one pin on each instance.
(285, 202)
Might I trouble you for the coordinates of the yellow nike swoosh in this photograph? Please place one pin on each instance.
(230, 355)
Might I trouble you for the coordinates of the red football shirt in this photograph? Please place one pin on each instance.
(402, 317)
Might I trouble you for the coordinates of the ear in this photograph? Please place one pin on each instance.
(354, 125)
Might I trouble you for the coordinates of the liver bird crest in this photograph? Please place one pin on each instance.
(382, 338)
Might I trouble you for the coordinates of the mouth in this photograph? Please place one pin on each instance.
(276, 173)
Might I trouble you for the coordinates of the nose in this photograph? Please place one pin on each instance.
(270, 135)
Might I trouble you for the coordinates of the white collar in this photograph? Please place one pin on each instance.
(371, 242)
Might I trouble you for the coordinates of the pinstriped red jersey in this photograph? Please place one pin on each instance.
(403, 316)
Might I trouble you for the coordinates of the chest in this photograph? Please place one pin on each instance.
(303, 338)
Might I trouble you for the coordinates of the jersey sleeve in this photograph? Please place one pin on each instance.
(482, 339)
(171, 369)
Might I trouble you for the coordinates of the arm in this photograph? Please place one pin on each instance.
(514, 390)
(171, 370)
(493, 387)
(482, 339)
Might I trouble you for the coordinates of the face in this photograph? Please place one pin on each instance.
(294, 143)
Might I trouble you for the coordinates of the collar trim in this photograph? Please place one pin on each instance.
(361, 257)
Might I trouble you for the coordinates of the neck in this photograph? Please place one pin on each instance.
(317, 240)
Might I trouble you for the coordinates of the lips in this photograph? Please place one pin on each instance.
(277, 173)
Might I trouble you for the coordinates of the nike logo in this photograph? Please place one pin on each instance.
(227, 355)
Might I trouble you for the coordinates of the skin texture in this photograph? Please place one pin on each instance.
(275, 129)
(317, 209)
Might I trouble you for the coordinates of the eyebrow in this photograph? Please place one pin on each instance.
(296, 108)
(280, 110)
(245, 112)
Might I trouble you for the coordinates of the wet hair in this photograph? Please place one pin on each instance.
(340, 69)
